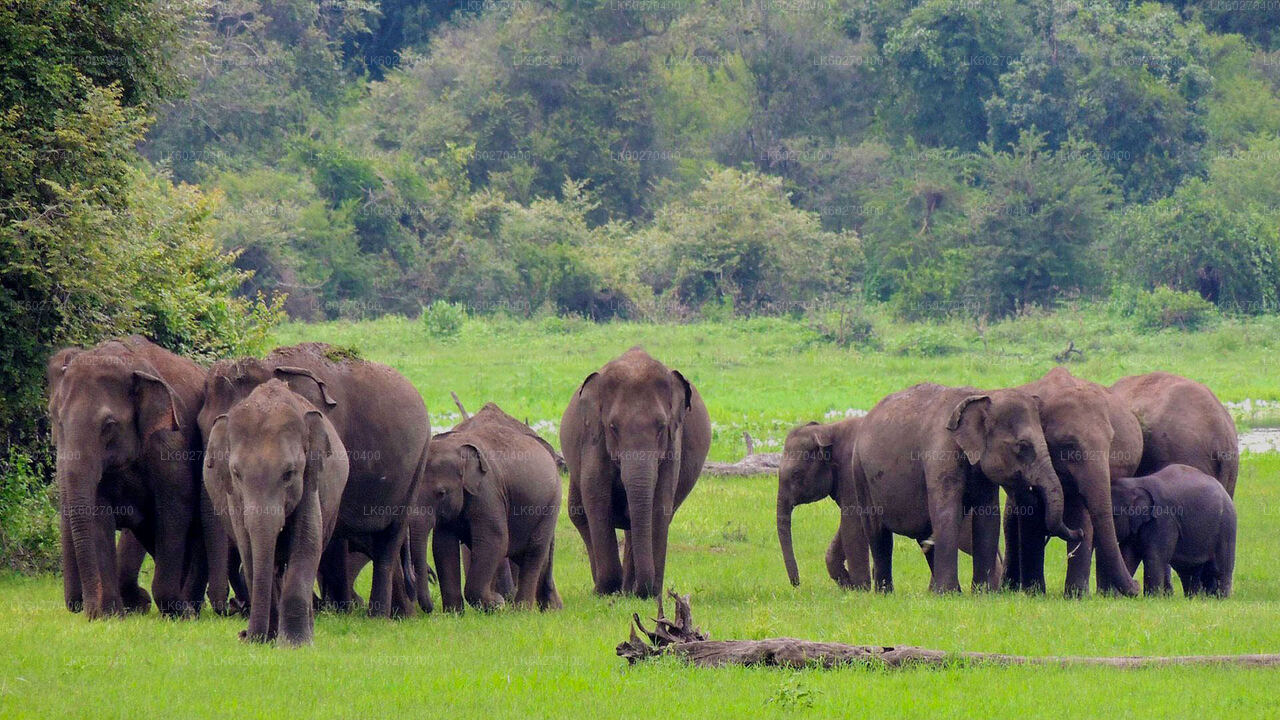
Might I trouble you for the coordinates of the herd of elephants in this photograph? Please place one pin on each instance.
(282, 477)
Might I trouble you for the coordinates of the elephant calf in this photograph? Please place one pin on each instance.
(493, 486)
(276, 469)
(1179, 517)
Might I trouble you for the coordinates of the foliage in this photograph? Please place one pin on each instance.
(443, 320)
(1164, 307)
(738, 239)
(28, 514)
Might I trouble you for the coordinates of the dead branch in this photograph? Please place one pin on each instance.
(456, 401)
(751, 445)
(752, 464)
(681, 638)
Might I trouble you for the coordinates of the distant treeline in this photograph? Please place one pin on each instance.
(644, 159)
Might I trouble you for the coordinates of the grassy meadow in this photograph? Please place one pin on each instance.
(757, 375)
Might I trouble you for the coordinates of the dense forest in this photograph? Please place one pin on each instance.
(197, 169)
(646, 158)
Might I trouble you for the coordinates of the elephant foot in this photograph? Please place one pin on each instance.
(112, 608)
(76, 605)
(487, 601)
(136, 600)
(236, 606)
(247, 636)
(551, 602)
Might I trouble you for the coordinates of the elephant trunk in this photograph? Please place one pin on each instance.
(78, 481)
(785, 507)
(263, 534)
(1046, 482)
(639, 479)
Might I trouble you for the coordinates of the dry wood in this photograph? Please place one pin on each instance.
(681, 638)
(755, 464)
(456, 401)
(751, 445)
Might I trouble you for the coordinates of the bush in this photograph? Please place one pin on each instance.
(844, 325)
(1164, 307)
(28, 515)
(443, 320)
(926, 341)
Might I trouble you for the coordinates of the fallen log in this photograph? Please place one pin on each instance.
(681, 638)
(754, 464)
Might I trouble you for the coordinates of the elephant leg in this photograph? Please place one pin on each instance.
(488, 550)
(172, 527)
(946, 512)
(606, 567)
(1012, 544)
(1155, 572)
(856, 549)
(532, 566)
(1189, 575)
(1131, 558)
(216, 550)
(385, 552)
(72, 589)
(835, 562)
(548, 596)
(1032, 535)
(1080, 560)
(986, 538)
(129, 554)
(421, 568)
(504, 581)
(297, 612)
(578, 516)
(335, 588)
(401, 603)
(235, 576)
(446, 552)
(882, 557)
(112, 603)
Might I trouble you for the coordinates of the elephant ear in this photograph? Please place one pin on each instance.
(54, 370)
(471, 477)
(588, 400)
(324, 390)
(825, 437)
(682, 401)
(217, 474)
(319, 449)
(157, 406)
(968, 425)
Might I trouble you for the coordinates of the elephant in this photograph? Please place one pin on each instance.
(384, 427)
(634, 437)
(1182, 422)
(1093, 437)
(276, 468)
(816, 459)
(493, 485)
(128, 454)
(1179, 517)
(925, 456)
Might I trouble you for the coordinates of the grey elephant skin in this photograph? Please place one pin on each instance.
(493, 486)
(124, 428)
(1093, 436)
(1177, 517)
(1182, 422)
(276, 468)
(927, 455)
(383, 425)
(634, 436)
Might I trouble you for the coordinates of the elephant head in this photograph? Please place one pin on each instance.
(230, 381)
(455, 469)
(1000, 434)
(806, 474)
(1131, 506)
(104, 406)
(263, 455)
(637, 415)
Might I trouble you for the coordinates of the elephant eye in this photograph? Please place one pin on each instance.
(1026, 452)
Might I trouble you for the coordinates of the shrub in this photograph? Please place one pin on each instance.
(28, 515)
(1164, 307)
(926, 341)
(847, 324)
(443, 320)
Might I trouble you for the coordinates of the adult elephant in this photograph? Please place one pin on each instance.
(128, 450)
(384, 427)
(1093, 437)
(1182, 422)
(635, 435)
(816, 460)
(927, 455)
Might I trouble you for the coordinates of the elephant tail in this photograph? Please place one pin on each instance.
(406, 565)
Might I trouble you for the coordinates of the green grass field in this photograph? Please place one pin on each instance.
(757, 375)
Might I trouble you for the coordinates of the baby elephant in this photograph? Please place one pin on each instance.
(275, 469)
(493, 486)
(1179, 517)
